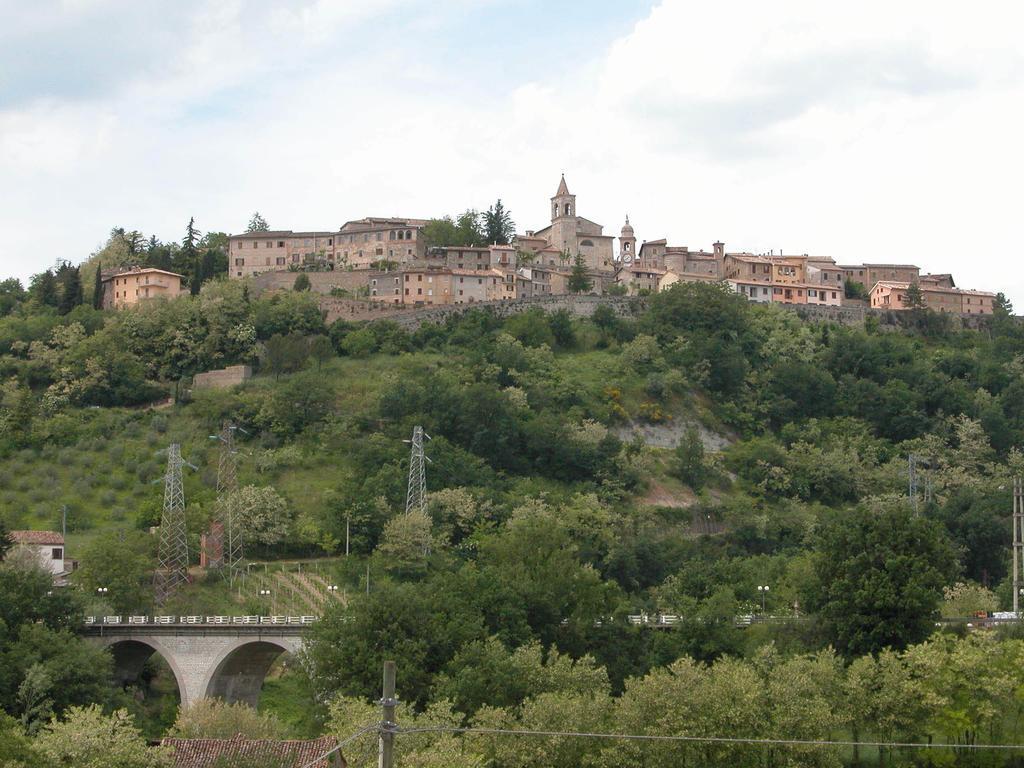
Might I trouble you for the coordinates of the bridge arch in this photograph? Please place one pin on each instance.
(238, 672)
(131, 654)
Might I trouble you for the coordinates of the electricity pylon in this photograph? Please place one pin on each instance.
(227, 529)
(172, 568)
(1018, 541)
(416, 496)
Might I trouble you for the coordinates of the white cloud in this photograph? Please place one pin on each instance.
(868, 131)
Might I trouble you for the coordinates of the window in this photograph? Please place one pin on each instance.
(241, 244)
(400, 236)
(330, 241)
(419, 278)
(391, 235)
(419, 291)
(239, 262)
(408, 234)
(407, 278)
(586, 243)
(280, 243)
(380, 236)
(833, 294)
(57, 553)
(280, 261)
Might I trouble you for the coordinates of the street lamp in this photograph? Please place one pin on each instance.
(266, 593)
(763, 589)
(102, 590)
(332, 588)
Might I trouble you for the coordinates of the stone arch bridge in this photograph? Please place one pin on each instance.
(214, 657)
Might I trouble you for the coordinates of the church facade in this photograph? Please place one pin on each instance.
(570, 234)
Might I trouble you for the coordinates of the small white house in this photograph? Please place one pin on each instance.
(47, 546)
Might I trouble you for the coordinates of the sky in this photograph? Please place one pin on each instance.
(870, 131)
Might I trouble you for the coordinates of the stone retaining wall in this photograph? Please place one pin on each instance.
(319, 282)
(223, 378)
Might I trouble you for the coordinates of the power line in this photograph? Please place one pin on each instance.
(361, 732)
(706, 739)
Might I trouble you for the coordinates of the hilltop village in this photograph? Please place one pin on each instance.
(392, 261)
(389, 260)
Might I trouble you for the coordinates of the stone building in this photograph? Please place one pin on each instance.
(365, 242)
(891, 294)
(253, 253)
(358, 244)
(869, 274)
(138, 284)
(570, 234)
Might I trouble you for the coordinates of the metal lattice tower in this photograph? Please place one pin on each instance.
(230, 530)
(416, 496)
(172, 569)
(1018, 540)
(913, 462)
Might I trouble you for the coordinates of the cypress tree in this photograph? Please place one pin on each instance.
(97, 287)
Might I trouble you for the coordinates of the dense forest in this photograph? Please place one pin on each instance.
(702, 457)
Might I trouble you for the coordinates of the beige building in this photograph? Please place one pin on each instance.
(889, 294)
(128, 288)
(359, 244)
(869, 274)
(365, 242)
(570, 235)
(274, 251)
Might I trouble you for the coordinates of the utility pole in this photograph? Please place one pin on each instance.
(1018, 540)
(172, 569)
(386, 744)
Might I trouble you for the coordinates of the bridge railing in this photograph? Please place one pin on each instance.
(198, 620)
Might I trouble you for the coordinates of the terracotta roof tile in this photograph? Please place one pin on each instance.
(36, 537)
(205, 753)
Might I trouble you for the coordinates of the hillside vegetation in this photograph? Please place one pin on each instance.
(550, 515)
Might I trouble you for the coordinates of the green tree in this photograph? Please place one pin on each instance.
(122, 564)
(1002, 305)
(320, 349)
(12, 294)
(690, 465)
(15, 747)
(190, 256)
(301, 282)
(69, 281)
(257, 224)
(285, 354)
(880, 571)
(43, 288)
(468, 229)
(97, 287)
(87, 738)
(406, 542)
(359, 343)
(562, 329)
(216, 719)
(855, 290)
(498, 225)
(579, 282)
(914, 297)
(263, 513)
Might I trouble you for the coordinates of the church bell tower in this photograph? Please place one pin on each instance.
(563, 205)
